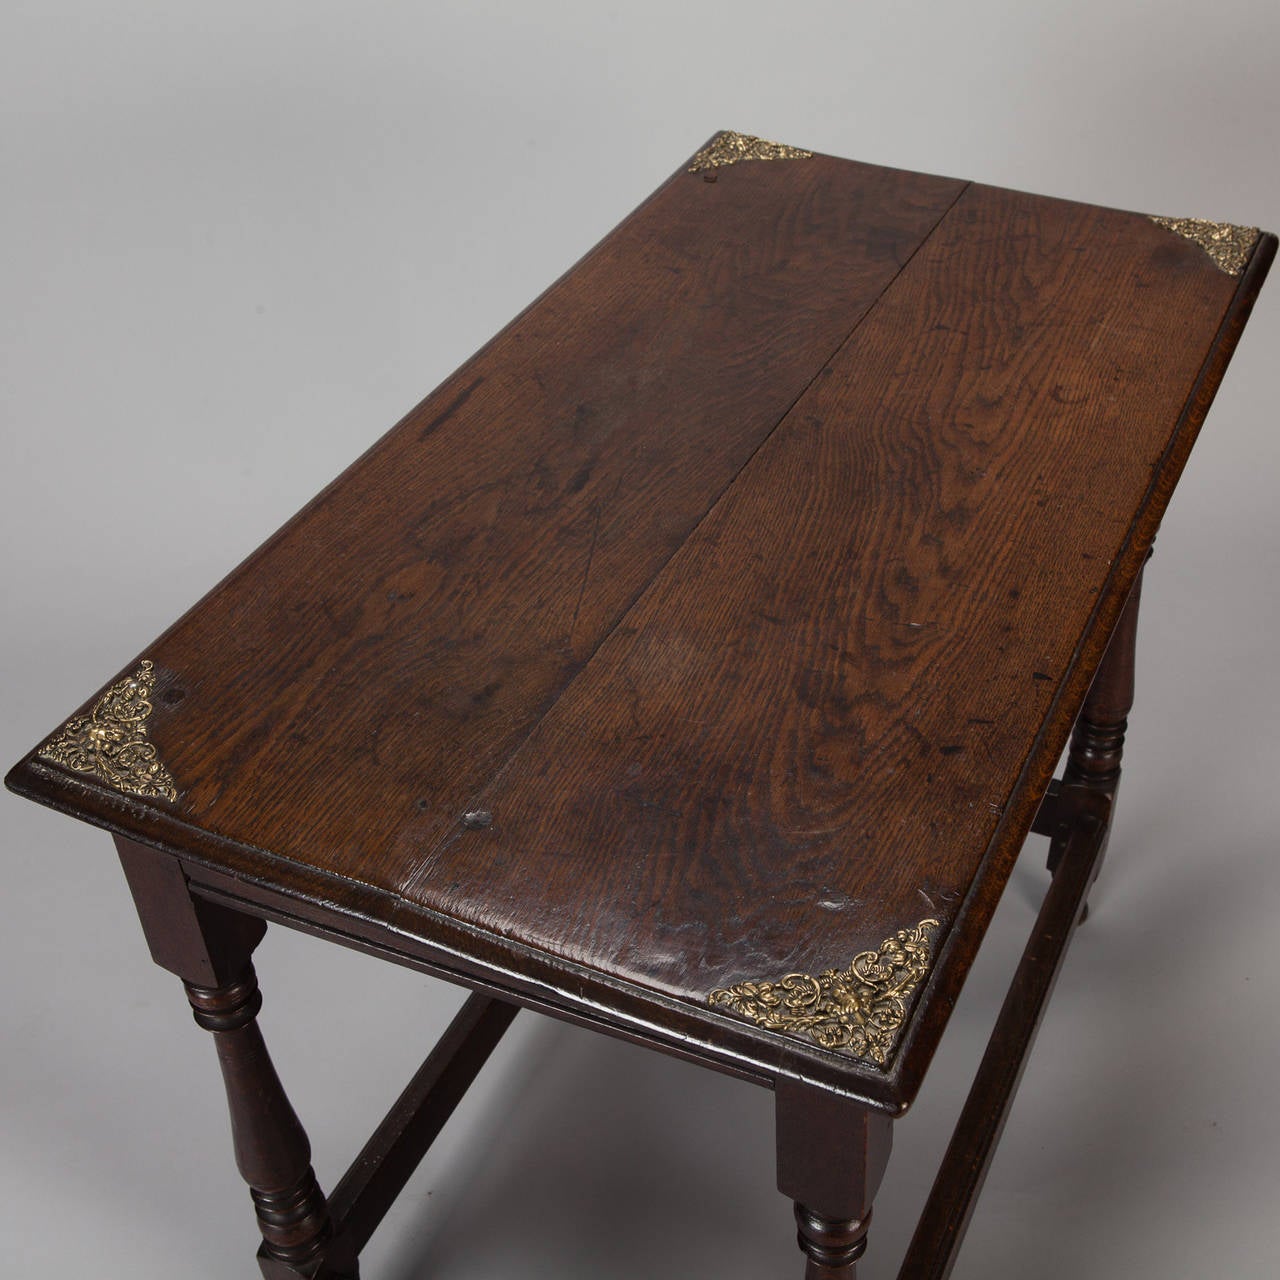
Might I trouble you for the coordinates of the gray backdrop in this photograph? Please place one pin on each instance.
(238, 242)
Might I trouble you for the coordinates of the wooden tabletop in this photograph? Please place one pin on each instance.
(722, 619)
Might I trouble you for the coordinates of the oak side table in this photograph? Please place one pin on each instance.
(692, 666)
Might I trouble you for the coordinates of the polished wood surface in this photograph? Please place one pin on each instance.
(804, 734)
(390, 647)
(723, 616)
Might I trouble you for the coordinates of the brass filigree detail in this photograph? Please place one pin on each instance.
(728, 147)
(1228, 245)
(111, 741)
(859, 1010)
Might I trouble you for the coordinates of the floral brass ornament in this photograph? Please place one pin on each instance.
(1228, 245)
(111, 741)
(728, 148)
(859, 1010)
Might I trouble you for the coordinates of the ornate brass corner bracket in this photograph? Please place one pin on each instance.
(728, 148)
(111, 742)
(1227, 244)
(859, 1010)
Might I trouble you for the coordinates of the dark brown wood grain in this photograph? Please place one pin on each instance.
(921, 1035)
(340, 697)
(721, 618)
(803, 736)
(749, 583)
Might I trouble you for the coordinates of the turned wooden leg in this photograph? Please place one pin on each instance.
(272, 1151)
(209, 948)
(1097, 740)
(832, 1155)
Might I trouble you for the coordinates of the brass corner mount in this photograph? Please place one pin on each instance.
(859, 1010)
(728, 147)
(111, 743)
(1228, 245)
